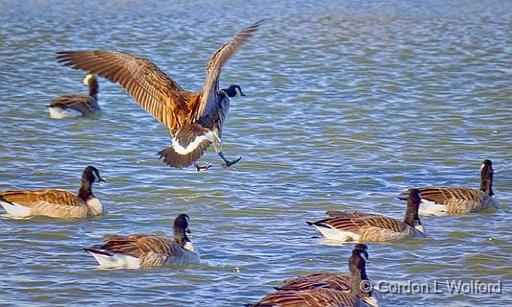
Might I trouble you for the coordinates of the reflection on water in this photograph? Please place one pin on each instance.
(347, 104)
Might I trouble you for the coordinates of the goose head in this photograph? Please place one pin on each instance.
(181, 229)
(233, 90)
(89, 78)
(486, 177)
(91, 175)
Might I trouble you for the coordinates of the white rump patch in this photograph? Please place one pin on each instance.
(116, 261)
(193, 145)
(337, 235)
(95, 206)
(429, 208)
(60, 113)
(16, 210)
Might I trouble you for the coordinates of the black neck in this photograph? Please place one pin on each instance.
(486, 178)
(411, 214)
(93, 87)
(357, 270)
(180, 237)
(85, 191)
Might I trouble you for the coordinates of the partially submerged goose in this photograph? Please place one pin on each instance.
(328, 289)
(143, 251)
(195, 119)
(459, 200)
(371, 227)
(77, 105)
(55, 202)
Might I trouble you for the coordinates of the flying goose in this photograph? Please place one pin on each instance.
(459, 200)
(55, 202)
(143, 251)
(77, 105)
(328, 289)
(195, 119)
(370, 227)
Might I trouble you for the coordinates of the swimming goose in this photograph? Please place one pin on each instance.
(195, 119)
(328, 289)
(77, 105)
(370, 227)
(143, 251)
(55, 202)
(459, 200)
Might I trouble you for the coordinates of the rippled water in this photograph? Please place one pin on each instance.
(347, 104)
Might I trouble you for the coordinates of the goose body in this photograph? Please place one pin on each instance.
(143, 251)
(370, 227)
(195, 119)
(459, 200)
(55, 203)
(77, 105)
(327, 289)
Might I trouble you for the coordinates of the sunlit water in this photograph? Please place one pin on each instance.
(347, 104)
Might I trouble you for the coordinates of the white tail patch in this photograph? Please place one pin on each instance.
(60, 113)
(116, 261)
(16, 210)
(337, 235)
(192, 145)
(429, 208)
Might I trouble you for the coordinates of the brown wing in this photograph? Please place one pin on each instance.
(357, 220)
(320, 280)
(441, 195)
(80, 103)
(218, 59)
(144, 81)
(137, 245)
(310, 297)
(32, 198)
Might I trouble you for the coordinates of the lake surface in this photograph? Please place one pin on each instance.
(348, 103)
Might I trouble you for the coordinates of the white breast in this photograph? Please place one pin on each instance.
(95, 206)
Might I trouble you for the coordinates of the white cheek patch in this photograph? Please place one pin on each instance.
(193, 145)
(87, 78)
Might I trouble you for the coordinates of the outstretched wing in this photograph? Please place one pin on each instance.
(214, 67)
(144, 81)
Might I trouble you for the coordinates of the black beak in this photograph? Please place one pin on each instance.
(101, 180)
(188, 231)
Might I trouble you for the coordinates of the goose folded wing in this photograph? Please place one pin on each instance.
(441, 195)
(358, 220)
(309, 297)
(32, 198)
(137, 245)
(144, 81)
(320, 280)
